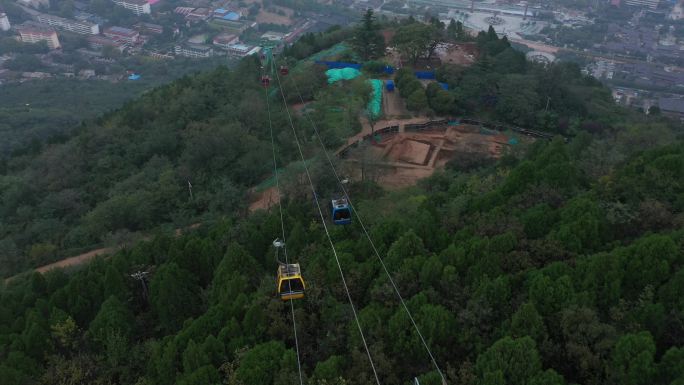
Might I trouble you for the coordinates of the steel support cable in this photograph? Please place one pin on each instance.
(365, 231)
(327, 233)
(282, 226)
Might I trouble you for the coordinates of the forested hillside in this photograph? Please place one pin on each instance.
(47, 110)
(533, 272)
(560, 265)
(129, 170)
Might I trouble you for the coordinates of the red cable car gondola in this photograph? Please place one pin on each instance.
(265, 81)
(284, 70)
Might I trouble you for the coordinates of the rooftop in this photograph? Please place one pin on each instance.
(138, 2)
(241, 47)
(120, 31)
(33, 27)
(671, 105)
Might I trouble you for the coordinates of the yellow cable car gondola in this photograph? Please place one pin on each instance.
(290, 284)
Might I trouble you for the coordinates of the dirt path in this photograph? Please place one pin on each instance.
(92, 254)
(76, 260)
(264, 200)
(393, 105)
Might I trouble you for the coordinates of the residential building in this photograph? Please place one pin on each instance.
(149, 28)
(98, 42)
(653, 4)
(33, 33)
(273, 36)
(225, 14)
(183, 10)
(82, 27)
(199, 14)
(37, 4)
(224, 40)
(89, 17)
(4, 22)
(672, 107)
(241, 50)
(122, 34)
(194, 50)
(138, 7)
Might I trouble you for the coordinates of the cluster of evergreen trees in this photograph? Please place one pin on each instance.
(531, 272)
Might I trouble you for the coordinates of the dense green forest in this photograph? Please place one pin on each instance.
(128, 171)
(561, 265)
(532, 272)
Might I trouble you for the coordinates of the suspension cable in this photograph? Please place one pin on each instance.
(365, 231)
(282, 226)
(325, 227)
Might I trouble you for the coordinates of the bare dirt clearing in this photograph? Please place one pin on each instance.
(265, 199)
(400, 159)
(393, 105)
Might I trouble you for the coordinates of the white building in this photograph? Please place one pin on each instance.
(82, 27)
(653, 4)
(32, 33)
(194, 50)
(273, 36)
(4, 22)
(138, 7)
(240, 50)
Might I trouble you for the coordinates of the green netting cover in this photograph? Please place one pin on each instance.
(332, 51)
(341, 74)
(375, 103)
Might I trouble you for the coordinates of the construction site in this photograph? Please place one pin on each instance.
(400, 152)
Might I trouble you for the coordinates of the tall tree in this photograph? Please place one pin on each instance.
(174, 294)
(413, 40)
(367, 40)
(516, 359)
(113, 317)
(632, 359)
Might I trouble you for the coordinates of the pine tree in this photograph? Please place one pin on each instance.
(114, 284)
(367, 40)
(113, 317)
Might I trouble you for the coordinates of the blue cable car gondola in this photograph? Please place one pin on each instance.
(341, 213)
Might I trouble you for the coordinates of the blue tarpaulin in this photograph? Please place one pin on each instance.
(444, 86)
(389, 85)
(428, 75)
(389, 70)
(338, 64)
(133, 77)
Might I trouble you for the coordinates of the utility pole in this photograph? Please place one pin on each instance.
(190, 189)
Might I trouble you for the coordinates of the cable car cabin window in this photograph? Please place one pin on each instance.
(342, 214)
(291, 285)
